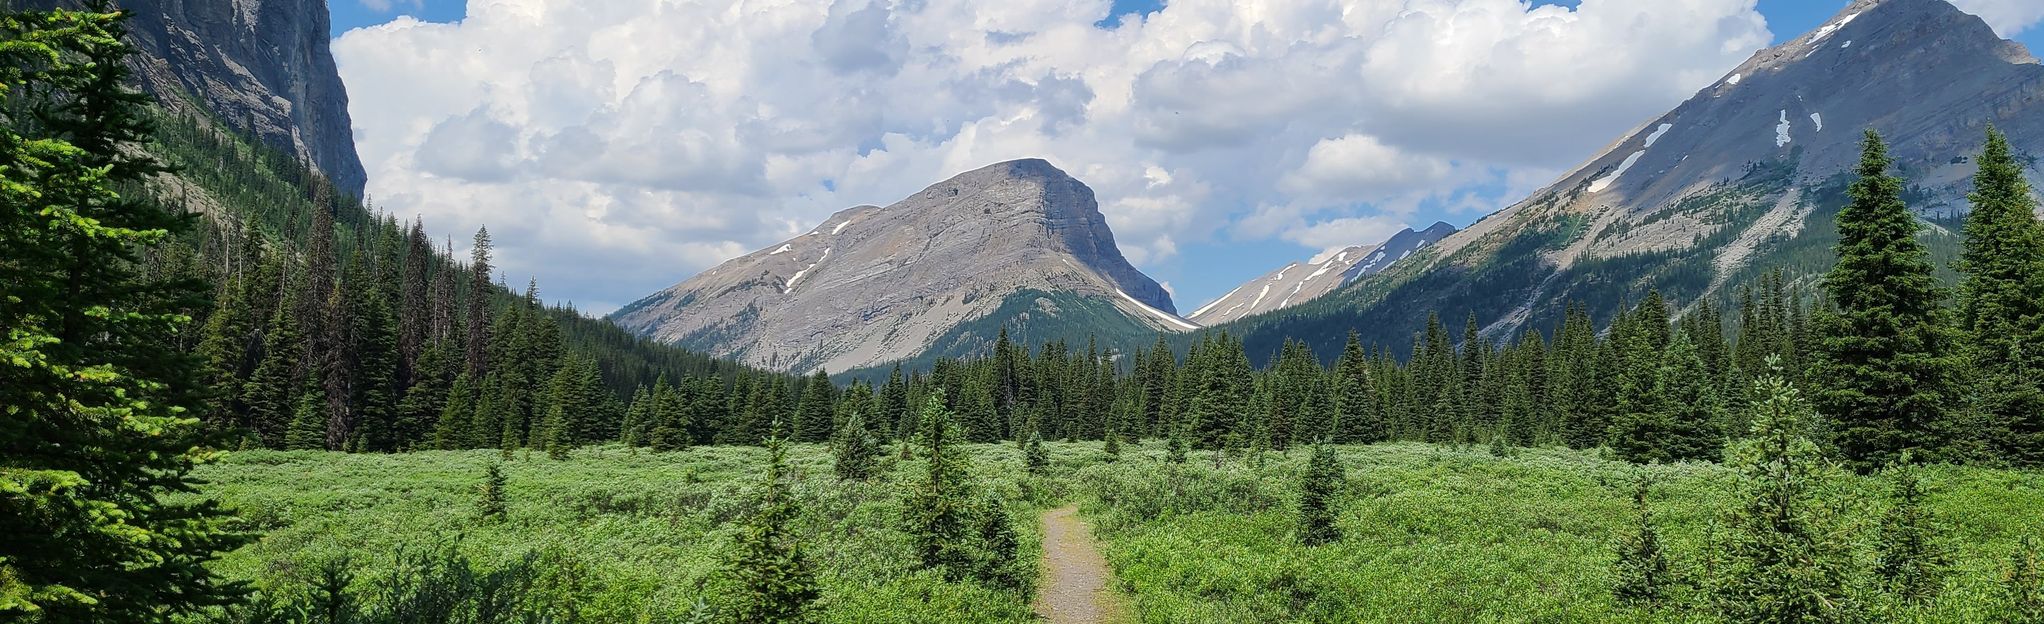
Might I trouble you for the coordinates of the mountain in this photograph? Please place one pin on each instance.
(1743, 177)
(263, 67)
(1017, 244)
(1298, 283)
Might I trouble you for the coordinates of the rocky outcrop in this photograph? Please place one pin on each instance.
(878, 284)
(1298, 283)
(261, 66)
(1744, 176)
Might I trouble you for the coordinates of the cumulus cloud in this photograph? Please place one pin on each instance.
(2008, 17)
(617, 147)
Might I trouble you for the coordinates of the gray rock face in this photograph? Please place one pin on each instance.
(876, 284)
(262, 66)
(1300, 282)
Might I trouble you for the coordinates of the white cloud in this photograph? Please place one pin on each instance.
(617, 147)
(386, 6)
(2008, 17)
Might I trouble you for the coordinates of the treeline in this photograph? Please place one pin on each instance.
(1894, 367)
(335, 327)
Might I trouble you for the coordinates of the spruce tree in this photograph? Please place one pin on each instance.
(479, 293)
(1785, 557)
(2001, 303)
(98, 394)
(1886, 365)
(814, 414)
(1911, 556)
(1357, 417)
(1000, 564)
(452, 430)
(1034, 460)
(1318, 493)
(1642, 568)
(855, 448)
(490, 494)
(939, 506)
(776, 584)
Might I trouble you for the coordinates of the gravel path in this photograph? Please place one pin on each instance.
(1075, 576)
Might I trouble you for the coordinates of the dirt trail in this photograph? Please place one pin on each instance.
(1075, 576)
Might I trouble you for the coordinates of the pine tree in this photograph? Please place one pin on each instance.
(479, 292)
(1034, 460)
(1642, 568)
(1785, 557)
(855, 448)
(776, 584)
(813, 415)
(97, 391)
(271, 393)
(308, 424)
(456, 415)
(490, 494)
(1318, 492)
(2001, 303)
(939, 505)
(1911, 555)
(1357, 417)
(1885, 356)
(1000, 564)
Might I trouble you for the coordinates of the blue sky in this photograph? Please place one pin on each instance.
(452, 122)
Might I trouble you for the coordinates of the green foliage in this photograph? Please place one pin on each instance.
(1319, 494)
(855, 449)
(1910, 554)
(1001, 560)
(1787, 558)
(1033, 458)
(2001, 303)
(98, 392)
(775, 581)
(1644, 576)
(1886, 355)
(490, 494)
(939, 505)
(2020, 595)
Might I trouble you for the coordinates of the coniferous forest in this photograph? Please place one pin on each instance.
(230, 393)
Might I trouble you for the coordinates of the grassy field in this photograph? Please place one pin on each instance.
(1431, 533)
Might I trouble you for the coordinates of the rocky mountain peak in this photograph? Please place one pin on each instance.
(876, 284)
(261, 66)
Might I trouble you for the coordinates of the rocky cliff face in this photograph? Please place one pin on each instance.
(1017, 243)
(1743, 177)
(1298, 283)
(262, 66)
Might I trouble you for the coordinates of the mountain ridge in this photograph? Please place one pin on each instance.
(1746, 173)
(872, 285)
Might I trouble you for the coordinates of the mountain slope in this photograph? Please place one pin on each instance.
(1298, 283)
(1745, 175)
(1016, 243)
(262, 67)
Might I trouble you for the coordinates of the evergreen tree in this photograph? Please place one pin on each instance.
(1000, 564)
(1642, 569)
(456, 414)
(479, 323)
(99, 435)
(776, 584)
(1911, 555)
(1885, 356)
(814, 414)
(939, 506)
(1786, 558)
(855, 448)
(2001, 303)
(1357, 418)
(308, 424)
(1318, 493)
(1034, 460)
(490, 494)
